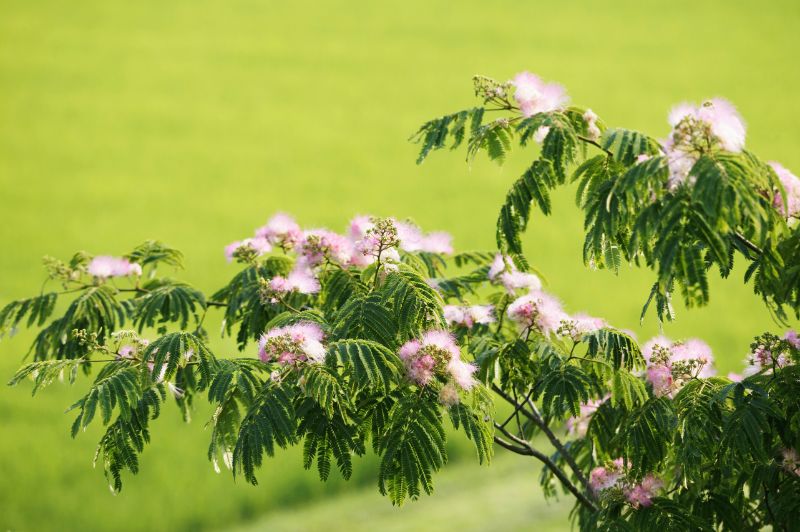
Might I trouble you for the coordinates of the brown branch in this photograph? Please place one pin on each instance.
(537, 419)
(595, 144)
(524, 448)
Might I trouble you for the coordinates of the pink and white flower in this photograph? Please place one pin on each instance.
(791, 185)
(469, 316)
(605, 477)
(281, 230)
(105, 266)
(301, 279)
(538, 309)
(503, 270)
(319, 244)
(535, 96)
(592, 129)
(436, 353)
(580, 324)
(671, 364)
(259, 244)
(300, 342)
(724, 120)
(641, 495)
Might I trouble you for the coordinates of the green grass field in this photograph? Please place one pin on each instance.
(193, 121)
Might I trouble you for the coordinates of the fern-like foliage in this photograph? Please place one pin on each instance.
(370, 363)
(415, 303)
(269, 422)
(412, 449)
(126, 437)
(328, 436)
(167, 301)
(44, 372)
(38, 309)
(235, 385)
(176, 350)
(153, 253)
(433, 135)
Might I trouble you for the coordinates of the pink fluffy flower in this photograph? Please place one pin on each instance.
(317, 244)
(436, 353)
(725, 122)
(535, 96)
(660, 378)
(655, 343)
(641, 495)
(105, 266)
(126, 352)
(281, 230)
(410, 236)
(679, 164)
(288, 345)
(359, 227)
(592, 130)
(437, 242)
(538, 309)
(503, 270)
(413, 239)
(671, 364)
(448, 395)
(259, 244)
(580, 324)
(792, 337)
(468, 316)
(301, 279)
(791, 185)
(696, 350)
(603, 478)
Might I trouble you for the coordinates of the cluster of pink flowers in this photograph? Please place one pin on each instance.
(766, 356)
(613, 476)
(258, 244)
(300, 279)
(536, 96)
(577, 426)
(641, 495)
(605, 477)
(671, 364)
(300, 342)
(791, 185)
(538, 309)
(412, 239)
(436, 354)
(693, 127)
(359, 247)
(504, 271)
(577, 325)
(281, 230)
(105, 266)
(468, 316)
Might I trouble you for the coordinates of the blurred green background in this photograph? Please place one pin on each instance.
(193, 121)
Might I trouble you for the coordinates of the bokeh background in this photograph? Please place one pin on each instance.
(193, 121)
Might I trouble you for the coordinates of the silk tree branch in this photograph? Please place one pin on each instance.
(524, 448)
(534, 415)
